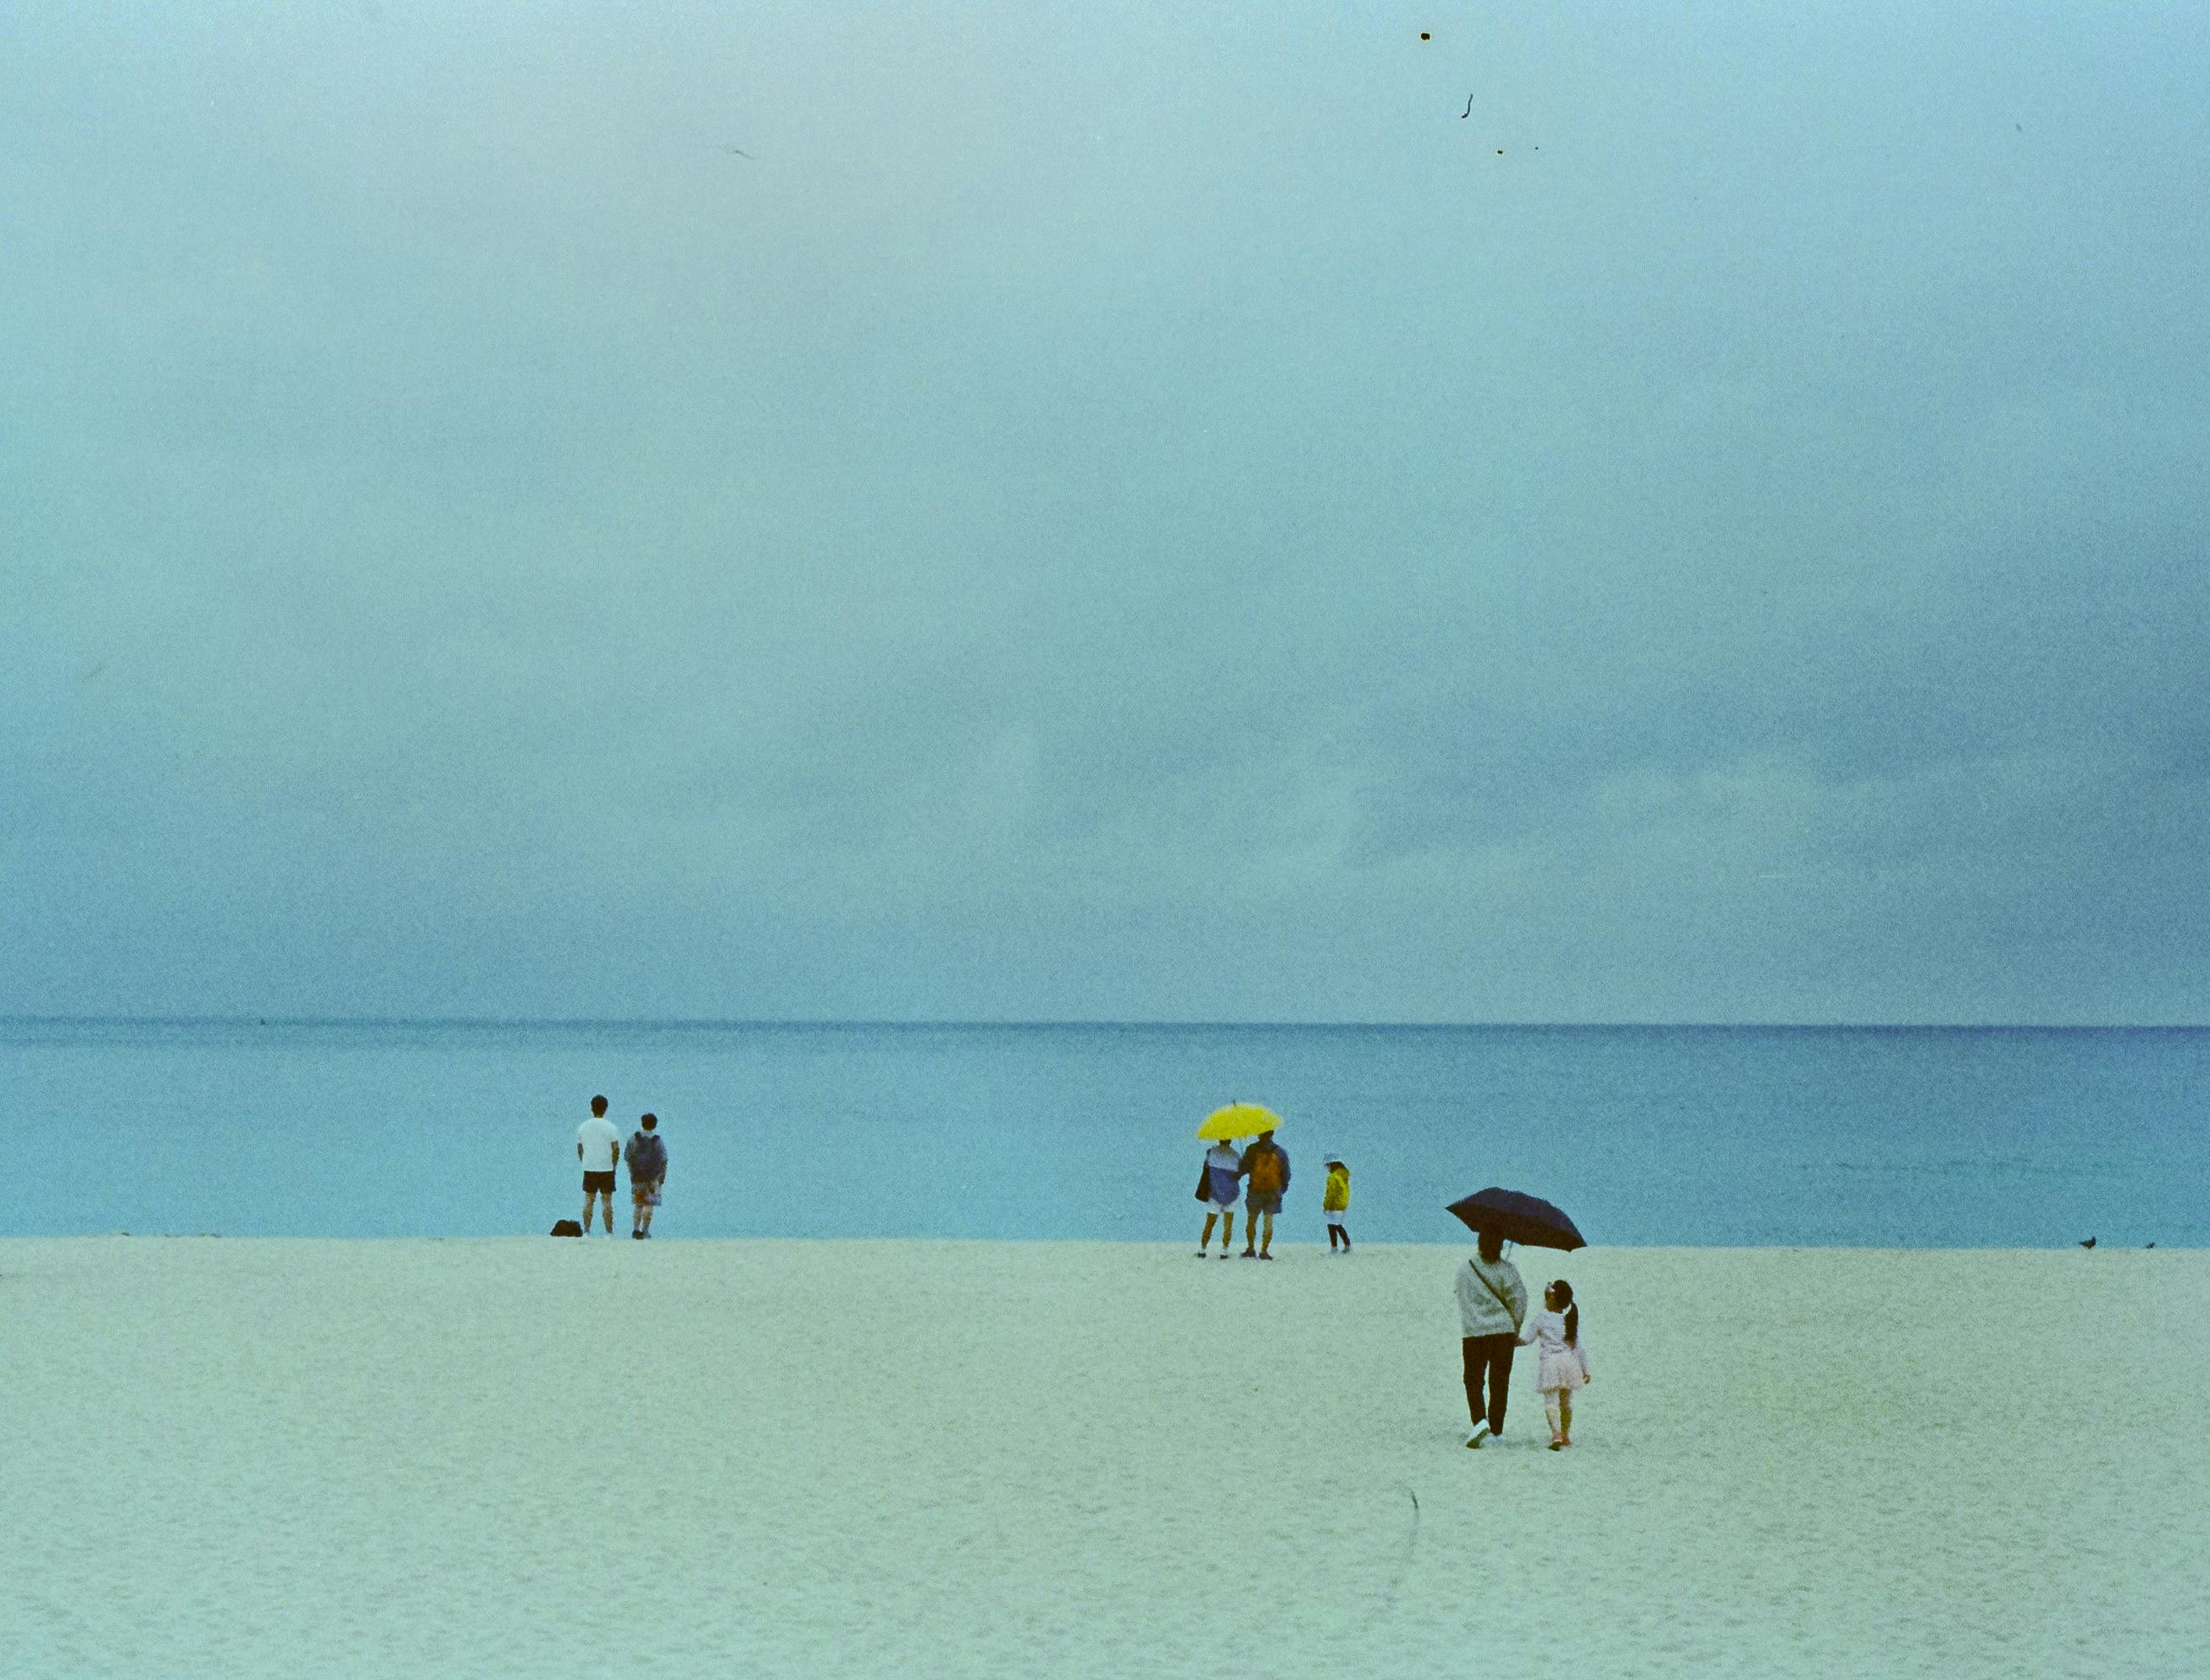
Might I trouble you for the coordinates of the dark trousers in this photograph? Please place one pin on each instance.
(1492, 1356)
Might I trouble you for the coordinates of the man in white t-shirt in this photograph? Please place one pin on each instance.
(598, 1145)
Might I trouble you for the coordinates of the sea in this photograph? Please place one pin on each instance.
(1913, 1137)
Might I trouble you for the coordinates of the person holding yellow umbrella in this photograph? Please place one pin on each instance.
(1222, 1176)
(1266, 1164)
(1267, 1168)
(1224, 1167)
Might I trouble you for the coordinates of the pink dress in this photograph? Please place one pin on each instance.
(1562, 1364)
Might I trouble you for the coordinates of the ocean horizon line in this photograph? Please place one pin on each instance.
(704, 1023)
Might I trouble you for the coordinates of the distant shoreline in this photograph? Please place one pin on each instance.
(527, 1023)
(1284, 1248)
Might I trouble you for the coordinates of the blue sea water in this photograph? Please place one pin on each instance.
(1920, 1138)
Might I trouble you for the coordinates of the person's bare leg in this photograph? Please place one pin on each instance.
(589, 1197)
(1205, 1241)
(1550, 1409)
(1566, 1414)
(1227, 1233)
(1267, 1242)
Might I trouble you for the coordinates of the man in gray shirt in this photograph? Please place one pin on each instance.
(647, 1155)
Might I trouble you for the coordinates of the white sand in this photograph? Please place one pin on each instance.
(244, 1457)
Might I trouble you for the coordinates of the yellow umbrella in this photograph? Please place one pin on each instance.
(1239, 1120)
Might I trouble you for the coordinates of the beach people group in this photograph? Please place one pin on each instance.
(1263, 1172)
(1493, 1317)
(598, 1146)
(1492, 1304)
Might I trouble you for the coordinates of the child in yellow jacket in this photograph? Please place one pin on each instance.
(1334, 1202)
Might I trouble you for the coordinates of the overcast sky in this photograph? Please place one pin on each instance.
(1108, 512)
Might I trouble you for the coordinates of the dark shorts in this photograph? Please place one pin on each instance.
(599, 1181)
(1264, 1202)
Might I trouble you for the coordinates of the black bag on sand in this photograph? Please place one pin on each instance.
(567, 1228)
(1204, 1184)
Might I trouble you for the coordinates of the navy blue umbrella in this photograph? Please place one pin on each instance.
(1518, 1217)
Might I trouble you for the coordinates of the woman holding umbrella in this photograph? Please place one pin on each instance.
(1492, 1301)
(1492, 1304)
(1221, 1178)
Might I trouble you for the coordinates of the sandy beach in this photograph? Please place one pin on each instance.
(250, 1458)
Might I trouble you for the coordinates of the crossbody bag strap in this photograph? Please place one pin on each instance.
(1491, 1288)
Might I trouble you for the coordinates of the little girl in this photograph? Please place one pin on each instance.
(1564, 1367)
(1334, 1203)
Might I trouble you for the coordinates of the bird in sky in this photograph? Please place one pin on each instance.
(2089, 1243)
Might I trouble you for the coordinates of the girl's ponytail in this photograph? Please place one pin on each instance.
(1564, 1291)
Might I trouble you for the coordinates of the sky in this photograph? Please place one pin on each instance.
(1129, 512)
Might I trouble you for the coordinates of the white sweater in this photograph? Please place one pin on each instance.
(1478, 1308)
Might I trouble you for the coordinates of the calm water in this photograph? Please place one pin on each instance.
(1885, 1136)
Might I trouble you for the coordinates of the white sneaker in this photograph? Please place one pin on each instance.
(1480, 1434)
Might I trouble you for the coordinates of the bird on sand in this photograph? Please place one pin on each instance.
(2089, 1243)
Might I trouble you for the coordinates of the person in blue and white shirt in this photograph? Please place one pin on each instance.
(1224, 1174)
